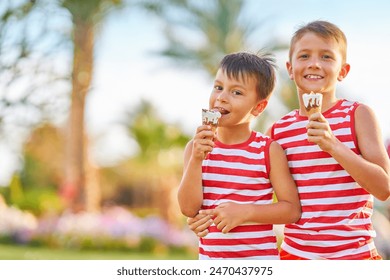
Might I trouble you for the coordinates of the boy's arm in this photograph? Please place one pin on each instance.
(190, 193)
(371, 170)
(287, 209)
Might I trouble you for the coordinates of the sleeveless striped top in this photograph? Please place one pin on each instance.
(238, 173)
(336, 211)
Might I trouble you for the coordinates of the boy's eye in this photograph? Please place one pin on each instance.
(303, 56)
(217, 87)
(237, 92)
(325, 56)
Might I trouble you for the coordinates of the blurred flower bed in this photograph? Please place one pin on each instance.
(113, 228)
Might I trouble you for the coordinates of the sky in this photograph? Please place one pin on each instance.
(126, 72)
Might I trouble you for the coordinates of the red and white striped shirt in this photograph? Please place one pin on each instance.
(238, 173)
(336, 211)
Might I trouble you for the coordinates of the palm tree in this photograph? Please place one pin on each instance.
(200, 33)
(211, 30)
(87, 16)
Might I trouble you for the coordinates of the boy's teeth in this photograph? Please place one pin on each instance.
(313, 77)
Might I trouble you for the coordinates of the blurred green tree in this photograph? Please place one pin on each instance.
(200, 33)
(158, 163)
(35, 187)
(43, 156)
(152, 134)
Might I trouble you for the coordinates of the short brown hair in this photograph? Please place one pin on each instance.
(323, 29)
(261, 67)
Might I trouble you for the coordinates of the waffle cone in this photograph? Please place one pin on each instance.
(313, 110)
(211, 117)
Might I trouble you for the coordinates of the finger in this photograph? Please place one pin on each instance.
(200, 150)
(208, 212)
(202, 141)
(204, 226)
(315, 116)
(203, 144)
(216, 218)
(311, 132)
(313, 124)
(203, 127)
(220, 225)
(320, 132)
(195, 219)
(201, 225)
(204, 131)
(226, 229)
(203, 233)
(222, 205)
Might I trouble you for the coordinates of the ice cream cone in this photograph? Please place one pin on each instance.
(211, 117)
(312, 102)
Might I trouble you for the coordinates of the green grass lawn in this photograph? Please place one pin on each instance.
(18, 252)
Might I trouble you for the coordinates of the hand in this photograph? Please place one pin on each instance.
(203, 141)
(320, 133)
(227, 215)
(200, 224)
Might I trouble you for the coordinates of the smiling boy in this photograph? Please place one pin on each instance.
(336, 156)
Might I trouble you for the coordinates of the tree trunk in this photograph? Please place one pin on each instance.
(74, 185)
(92, 189)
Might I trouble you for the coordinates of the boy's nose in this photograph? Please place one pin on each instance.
(222, 96)
(314, 63)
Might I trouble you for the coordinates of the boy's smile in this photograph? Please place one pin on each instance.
(316, 64)
(313, 77)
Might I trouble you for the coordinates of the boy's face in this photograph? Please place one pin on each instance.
(236, 100)
(316, 64)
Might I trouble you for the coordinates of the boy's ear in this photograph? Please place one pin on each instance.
(343, 72)
(289, 70)
(260, 107)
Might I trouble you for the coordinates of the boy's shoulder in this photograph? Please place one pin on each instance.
(290, 116)
(261, 139)
(260, 135)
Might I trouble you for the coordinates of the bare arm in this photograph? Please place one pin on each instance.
(190, 194)
(371, 170)
(286, 210)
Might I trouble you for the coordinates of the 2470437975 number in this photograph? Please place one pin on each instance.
(241, 270)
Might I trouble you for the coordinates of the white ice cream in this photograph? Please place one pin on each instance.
(312, 99)
(210, 117)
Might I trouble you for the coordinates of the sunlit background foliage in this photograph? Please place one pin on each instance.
(59, 197)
